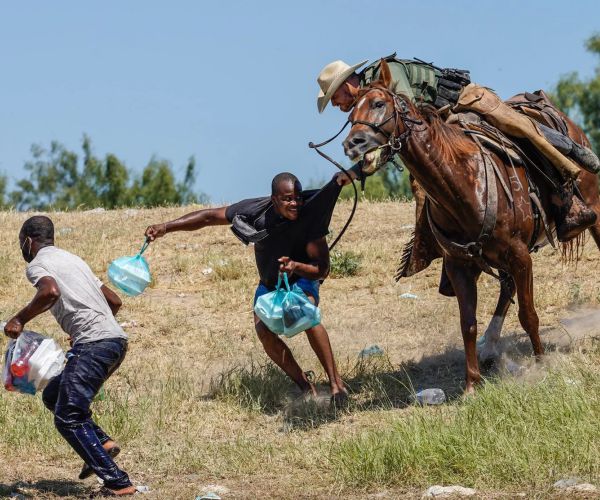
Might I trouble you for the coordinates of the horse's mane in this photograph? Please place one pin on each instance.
(451, 144)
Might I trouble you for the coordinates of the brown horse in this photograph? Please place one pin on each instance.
(479, 206)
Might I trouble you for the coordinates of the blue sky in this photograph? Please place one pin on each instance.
(233, 82)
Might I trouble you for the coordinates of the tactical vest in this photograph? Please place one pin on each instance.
(418, 81)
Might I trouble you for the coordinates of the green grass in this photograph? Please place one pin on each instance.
(511, 435)
(344, 264)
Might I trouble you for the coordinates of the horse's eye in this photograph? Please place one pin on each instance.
(379, 104)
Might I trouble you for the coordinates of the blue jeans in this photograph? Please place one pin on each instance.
(69, 396)
(309, 287)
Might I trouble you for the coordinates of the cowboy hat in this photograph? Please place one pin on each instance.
(330, 78)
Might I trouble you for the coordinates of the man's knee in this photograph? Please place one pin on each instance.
(70, 415)
(263, 333)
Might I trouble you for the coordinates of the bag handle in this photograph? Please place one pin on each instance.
(144, 247)
(285, 281)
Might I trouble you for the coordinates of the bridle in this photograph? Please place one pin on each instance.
(400, 114)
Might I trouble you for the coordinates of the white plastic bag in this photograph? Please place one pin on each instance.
(30, 362)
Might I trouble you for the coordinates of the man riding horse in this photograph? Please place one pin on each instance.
(450, 91)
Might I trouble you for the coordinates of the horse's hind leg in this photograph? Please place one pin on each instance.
(464, 281)
(489, 344)
(522, 272)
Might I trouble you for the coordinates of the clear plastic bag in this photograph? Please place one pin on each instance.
(30, 362)
(287, 311)
(131, 274)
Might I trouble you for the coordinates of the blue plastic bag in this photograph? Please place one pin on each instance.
(131, 275)
(287, 311)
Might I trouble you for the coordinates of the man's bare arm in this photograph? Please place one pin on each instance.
(47, 295)
(318, 254)
(189, 222)
(114, 301)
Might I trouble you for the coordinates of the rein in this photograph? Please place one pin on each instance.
(394, 143)
(316, 147)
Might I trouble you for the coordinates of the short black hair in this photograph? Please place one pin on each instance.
(39, 228)
(282, 177)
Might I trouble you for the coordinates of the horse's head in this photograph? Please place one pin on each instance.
(378, 123)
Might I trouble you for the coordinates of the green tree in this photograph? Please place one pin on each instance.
(56, 181)
(156, 186)
(581, 98)
(53, 179)
(388, 183)
(3, 185)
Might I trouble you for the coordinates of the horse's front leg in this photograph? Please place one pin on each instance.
(521, 269)
(463, 277)
(488, 344)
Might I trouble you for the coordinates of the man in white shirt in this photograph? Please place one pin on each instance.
(85, 309)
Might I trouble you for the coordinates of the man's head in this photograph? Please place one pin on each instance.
(339, 79)
(286, 194)
(37, 232)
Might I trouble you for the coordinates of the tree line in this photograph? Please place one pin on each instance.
(60, 179)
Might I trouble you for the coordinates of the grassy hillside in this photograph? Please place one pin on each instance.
(196, 402)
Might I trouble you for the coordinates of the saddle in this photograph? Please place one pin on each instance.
(423, 248)
(537, 105)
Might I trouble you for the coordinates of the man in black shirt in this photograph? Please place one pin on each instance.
(288, 230)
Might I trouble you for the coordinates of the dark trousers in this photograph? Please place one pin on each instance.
(69, 396)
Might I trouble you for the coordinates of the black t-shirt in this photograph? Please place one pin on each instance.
(286, 237)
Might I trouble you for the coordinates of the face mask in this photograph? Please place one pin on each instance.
(26, 249)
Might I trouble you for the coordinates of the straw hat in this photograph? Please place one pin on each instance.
(331, 77)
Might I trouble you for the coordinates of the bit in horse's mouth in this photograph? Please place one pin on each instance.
(372, 160)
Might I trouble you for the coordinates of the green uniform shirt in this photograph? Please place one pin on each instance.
(413, 79)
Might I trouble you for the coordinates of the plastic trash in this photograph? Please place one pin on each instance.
(287, 311)
(30, 362)
(211, 495)
(438, 491)
(373, 350)
(131, 274)
(409, 296)
(433, 396)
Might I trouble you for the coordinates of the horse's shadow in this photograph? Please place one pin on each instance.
(57, 488)
(374, 383)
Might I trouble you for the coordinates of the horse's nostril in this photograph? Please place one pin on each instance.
(357, 141)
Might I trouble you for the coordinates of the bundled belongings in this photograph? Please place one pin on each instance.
(287, 311)
(131, 274)
(30, 362)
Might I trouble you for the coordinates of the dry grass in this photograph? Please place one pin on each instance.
(196, 401)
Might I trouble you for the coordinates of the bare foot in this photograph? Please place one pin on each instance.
(310, 388)
(113, 450)
(130, 490)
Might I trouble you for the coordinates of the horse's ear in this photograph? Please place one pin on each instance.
(385, 75)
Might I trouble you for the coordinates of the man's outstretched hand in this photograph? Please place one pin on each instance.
(13, 328)
(342, 179)
(156, 231)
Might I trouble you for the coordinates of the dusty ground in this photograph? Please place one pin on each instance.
(191, 327)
